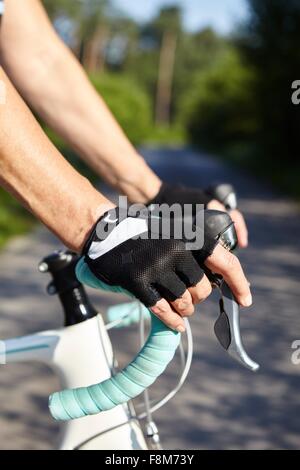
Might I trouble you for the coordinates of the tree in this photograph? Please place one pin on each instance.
(270, 44)
(92, 27)
(219, 111)
(168, 27)
(196, 53)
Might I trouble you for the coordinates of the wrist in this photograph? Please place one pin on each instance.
(93, 214)
(140, 183)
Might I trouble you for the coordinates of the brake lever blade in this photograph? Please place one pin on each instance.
(227, 329)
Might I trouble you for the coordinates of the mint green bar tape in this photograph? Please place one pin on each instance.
(127, 384)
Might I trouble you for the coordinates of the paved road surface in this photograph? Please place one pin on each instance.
(222, 406)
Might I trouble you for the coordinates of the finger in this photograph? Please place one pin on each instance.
(216, 205)
(148, 296)
(201, 291)
(184, 305)
(241, 228)
(225, 263)
(174, 291)
(152, 298)
(162, 309)
(189, 271)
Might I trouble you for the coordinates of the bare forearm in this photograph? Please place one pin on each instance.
(33, 171)
(55, 85)
(86, 123)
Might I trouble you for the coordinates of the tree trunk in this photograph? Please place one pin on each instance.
(165, 78)
(93, 56)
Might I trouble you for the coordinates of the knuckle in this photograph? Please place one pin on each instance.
(203, 290)
(186, 297)
(161, 308)
(161, 311)
(184, 307)
(156, 311)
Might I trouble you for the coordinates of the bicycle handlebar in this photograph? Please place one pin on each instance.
(160, 346)
(148, 365)
(224, 193)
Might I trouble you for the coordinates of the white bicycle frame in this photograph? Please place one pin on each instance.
(81, 355)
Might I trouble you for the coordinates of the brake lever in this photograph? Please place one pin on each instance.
(227, 326)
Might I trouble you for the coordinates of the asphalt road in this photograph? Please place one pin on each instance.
(222, 405)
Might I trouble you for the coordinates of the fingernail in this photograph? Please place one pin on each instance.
(247, 301)
(180, 329)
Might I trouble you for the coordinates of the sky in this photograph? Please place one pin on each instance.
(222, 15)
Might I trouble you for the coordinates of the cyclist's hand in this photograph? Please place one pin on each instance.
(238, 219)
(161, 273)
(177, 194)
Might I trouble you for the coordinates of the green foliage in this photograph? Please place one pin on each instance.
(14, 220)
(270, 44)
(58, 7)
(128, 102)
(195, 51)
(76, 9)
(132, 108)
(219, 109)
(71, 155)
(196, 54)
(174, 135)
(242, 106)
(147, 61)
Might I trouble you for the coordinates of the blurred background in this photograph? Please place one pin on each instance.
(204, 89)
(216, 74)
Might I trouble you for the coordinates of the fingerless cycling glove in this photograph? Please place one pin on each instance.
(179, 194)
(132, 252)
